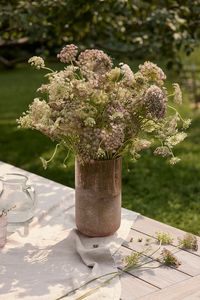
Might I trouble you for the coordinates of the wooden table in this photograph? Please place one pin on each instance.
(160, 282)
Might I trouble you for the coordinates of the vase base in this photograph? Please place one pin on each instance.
(92, 234)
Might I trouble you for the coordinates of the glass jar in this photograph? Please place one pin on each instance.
(18, 197)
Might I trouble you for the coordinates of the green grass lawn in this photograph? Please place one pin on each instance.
(151, 187)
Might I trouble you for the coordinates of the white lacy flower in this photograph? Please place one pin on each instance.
(178, 98)
(187, 123)
(150, 126)
(151, 70)
(68, 53)
(141, 144)
(176, 139)
(162, 151)
(37, 62)
(101, 153)
(89, 122)
(127, 72)
(37, 116)
(174, 160)
(114, 74)
(155, 101)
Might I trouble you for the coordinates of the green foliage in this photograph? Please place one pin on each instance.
(145, 29)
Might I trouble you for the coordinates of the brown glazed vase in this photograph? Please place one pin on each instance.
(98, 197)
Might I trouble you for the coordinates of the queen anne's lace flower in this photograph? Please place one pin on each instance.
(178, 97)
(38, 117)
(155, 101)
(189, 242)
(169, 259)
(68, 53)
(176, 139)
(174, 160)
(127, 73)
(153, 72)
(149, 126)
(187, 123)
(37, 62)
(101, 153)
(112, 139)
(94, 60)
(114, 74)
(141, 144)
(89, 122)
(162, 151)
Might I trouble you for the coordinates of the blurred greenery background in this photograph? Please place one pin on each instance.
(131, 31)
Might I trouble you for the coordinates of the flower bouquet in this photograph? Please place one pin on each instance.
(101, 112)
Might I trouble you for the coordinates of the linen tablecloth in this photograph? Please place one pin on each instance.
(47, 257)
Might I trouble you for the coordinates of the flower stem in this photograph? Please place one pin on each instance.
(88, 282)
(45, 68)
(176, 112)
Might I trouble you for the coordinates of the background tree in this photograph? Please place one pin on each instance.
(146, 29)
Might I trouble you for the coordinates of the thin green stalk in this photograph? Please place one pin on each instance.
(122, 148)
(66, 157)
(83, 285)
(91, 291)
(171, 95)
(160, 244)
(173, 108)
(45, 68)
(54, 153)
(46, 162)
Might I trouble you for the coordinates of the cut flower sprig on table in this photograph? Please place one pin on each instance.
(99, 111)
(142, 260)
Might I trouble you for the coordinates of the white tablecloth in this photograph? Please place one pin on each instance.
(48, 257)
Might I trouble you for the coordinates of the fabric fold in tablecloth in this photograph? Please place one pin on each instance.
(48, 257)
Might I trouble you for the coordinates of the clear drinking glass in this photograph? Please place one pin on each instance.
(18, 195)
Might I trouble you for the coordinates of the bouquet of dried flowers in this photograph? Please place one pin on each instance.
(99, 111)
